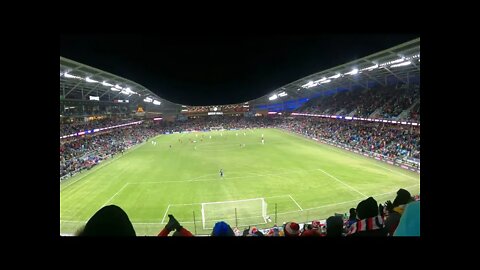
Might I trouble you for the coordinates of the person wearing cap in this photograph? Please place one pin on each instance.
(221, 228)
(291, 229)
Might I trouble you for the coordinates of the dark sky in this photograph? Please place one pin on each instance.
(214, 70)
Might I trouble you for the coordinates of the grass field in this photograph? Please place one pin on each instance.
(304, 179)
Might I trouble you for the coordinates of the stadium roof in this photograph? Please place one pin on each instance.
(79, 81)
(401, 62)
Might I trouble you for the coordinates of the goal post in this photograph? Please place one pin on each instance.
(241, 212)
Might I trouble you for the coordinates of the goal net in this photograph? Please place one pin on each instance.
(236, 213)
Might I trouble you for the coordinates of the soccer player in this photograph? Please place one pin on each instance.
(221, 173)
(263, 141)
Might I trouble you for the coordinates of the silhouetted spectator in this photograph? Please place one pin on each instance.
(370, 223)
(110, 220)
(334, 226)
(396, 210)
(353, 217)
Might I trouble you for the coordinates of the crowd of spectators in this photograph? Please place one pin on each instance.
(389, 140)
(70, 128)
(84, 152)
(368, 219)
(389, 101)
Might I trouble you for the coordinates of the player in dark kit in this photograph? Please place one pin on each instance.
(221, 173)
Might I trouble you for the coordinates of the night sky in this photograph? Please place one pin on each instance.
(215, 70)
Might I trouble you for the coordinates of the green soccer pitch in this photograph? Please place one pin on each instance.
(295, 177)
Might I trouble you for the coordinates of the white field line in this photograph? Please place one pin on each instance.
(295, 202)
(115, 194)
(352, 188)
(280, 213)
(166, 211)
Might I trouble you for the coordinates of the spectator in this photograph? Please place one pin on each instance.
(334, 226)
(369, 223)
(312, 229)
(396, 210)
(410, 221)
(222, 229)
(380, 210)
(110, 220)
(291, 229)
(353, 217)
(173, 224)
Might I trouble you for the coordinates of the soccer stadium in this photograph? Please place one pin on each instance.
(326, 154)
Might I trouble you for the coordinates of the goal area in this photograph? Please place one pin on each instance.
(236, 213)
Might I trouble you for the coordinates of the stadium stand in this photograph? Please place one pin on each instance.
(93, 133)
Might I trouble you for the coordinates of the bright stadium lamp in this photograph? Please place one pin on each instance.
(401, 64)
(371, 67)
(327, 81)
(273, 97)
(118, 87)
(66, 75)
(106, 84)
(115, 89)
(335, 76)
(90, 80)
(156, 102)
(353, 72)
